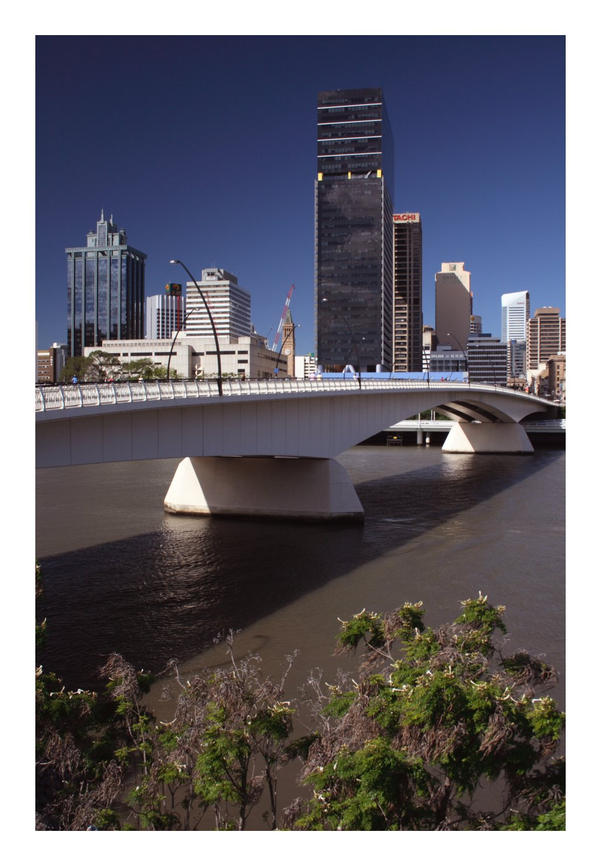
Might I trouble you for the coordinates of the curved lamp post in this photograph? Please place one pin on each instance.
(214, 330)
(462, 348)
(287, 336)
(352, 340)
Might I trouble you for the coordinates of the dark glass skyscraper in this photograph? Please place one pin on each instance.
(353, 231)
(408, 285)
(105, 281)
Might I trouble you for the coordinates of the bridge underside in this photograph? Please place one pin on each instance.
(304, 488)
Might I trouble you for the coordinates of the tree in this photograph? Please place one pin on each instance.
(221, 752)
(408, 744)
(103, 366)
(76, 365)
(227, 742)
(145, 368)
(78, 774)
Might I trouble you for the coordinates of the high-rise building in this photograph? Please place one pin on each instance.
(517, 359)
(408, 289)
(105, 282)
(353, 231)
(164, 315)
(453, 305)
(515, 314)
(546, 336)
(228, 303)
(487, 358)
(475, 325)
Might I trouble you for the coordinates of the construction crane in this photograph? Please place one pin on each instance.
(286, 307)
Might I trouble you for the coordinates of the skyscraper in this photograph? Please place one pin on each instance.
(164, 314)
(546, 336)
(408, 286)
(105, 281)
(353, 231)
(228, 303)
(453, 305)
(487, 357)
(515, 313)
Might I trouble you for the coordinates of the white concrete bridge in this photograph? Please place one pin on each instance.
(233, 447)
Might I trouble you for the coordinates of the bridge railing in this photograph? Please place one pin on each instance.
(56, 397)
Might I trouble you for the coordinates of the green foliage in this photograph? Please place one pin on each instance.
(546, 721)
(553, 819)
(409, 621)
(431, 715)
(441, 715)
(363, 626)
(106, 819)
(76, 365)
(146, 369)
(374, 788)
(339, 704)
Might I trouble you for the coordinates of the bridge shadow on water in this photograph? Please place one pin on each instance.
(168, 593)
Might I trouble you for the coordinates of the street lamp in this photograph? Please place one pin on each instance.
(214, 330)
(287, 336)
(462, 348)
(352, 340)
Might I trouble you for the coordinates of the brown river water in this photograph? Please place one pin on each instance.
(122, 575)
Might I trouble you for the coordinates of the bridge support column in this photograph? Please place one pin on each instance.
(487, 438)
(301, 488)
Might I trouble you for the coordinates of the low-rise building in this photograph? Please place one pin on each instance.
(549, 379)
(196, 357)
(305, 366)
(50, 363)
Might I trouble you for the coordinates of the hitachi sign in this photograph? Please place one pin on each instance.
(407, 217)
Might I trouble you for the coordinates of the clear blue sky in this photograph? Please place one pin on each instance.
(204, 149)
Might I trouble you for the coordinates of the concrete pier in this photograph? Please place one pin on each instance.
(487, 438)
(287, 488)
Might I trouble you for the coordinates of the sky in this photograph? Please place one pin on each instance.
(204, 149)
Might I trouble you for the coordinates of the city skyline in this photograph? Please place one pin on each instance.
(479, 153)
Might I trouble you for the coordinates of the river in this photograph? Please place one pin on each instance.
(122, 575)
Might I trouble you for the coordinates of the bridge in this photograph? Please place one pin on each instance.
(265, 447)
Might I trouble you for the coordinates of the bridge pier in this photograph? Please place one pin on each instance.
(487, 438)
(302, 488)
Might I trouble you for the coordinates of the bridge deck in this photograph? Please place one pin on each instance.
(59, 397)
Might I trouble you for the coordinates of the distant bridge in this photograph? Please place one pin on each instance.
(258, 423)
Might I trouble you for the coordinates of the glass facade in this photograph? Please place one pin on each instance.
(408, 286)
(105, 289)
(353, 231)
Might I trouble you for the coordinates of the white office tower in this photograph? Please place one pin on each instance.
(164, 316)
(228, 303)
(515, 313)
